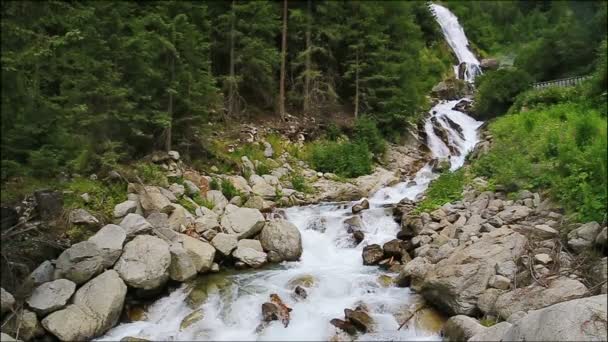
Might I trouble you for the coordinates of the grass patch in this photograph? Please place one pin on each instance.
(345, 159)
(229, 190)
(299, 183)
(445, 189)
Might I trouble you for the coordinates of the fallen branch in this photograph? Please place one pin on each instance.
(411, 316)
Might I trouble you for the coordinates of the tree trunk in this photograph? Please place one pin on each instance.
(357, 84)
(308, 57)
(168, 133)
(283, 57)
(232, 80)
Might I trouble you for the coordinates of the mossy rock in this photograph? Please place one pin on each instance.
(429, 320)
(385, 280)
(205, 286)
(192, 318)
(305, 280)
(133, 339)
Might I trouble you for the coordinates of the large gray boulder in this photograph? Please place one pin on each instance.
(7, 301)
(201, 252)
(224, 243)
(245, 222)
(461, 328)
(180, 217)
(135, 224)
(283, 238)
(152, 199)
(456, 282)
(182, 267)
(124, 208)
(109, 239)
(536, 296)
(207, 219)
(260, 187)
(250, 256)
(144, 264)
(575, 320)
(493, 333)
(583, 236)
(240, 184)
(51, 296)
(79, 263)
(43, 273)
(514, 213)
(96, 308)
(218, 199)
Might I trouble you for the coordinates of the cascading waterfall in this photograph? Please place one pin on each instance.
(330, 260)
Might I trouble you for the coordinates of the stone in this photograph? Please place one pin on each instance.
(257, 202)
(152, 199)
(240, 184)
(372, 254)
(180, 217)
(543, 258)
(7, 301)
(353, 223)
(489, 64)
(513, 214)
(462, 328)
(575, 320)
(5, 337)
(178, 190)
(487, 299)
(80, 262)
(395, 248)
(83, 217)
(599, 274)
(244, 222)
(360, 319)
(109, 239)
(359, 207)
(144, 264)
(456, 282)
(584, 236)
(507, 269)
(135, 224)
(283, 238)
(247, 166)
(535, 296)
(346, 326)
(413, 273)
(124, 208)
(202, 253)
(224, 243)
(209, 221)
(45, 272)
(158, 220)
(254, 244)
(24, 325)
(49, 204)
(268, 151)
(544, 231)
(493, 333)
(250, 256)
(96, 308)
(182, 267)
(359, 236)
(500, 282)
(173, 155)
(191, 188)
(51, 296)
(602, 238)
(191, 318)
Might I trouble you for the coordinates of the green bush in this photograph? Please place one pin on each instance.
(367, 132)
(497, 90)
(299, 183)
(215, 184)
(229, 190)
(151, 174)
(44, 162)
(561, 148)
(545, 97)
(347, 159)
(11, 168)
(333, 132)
(446, 188)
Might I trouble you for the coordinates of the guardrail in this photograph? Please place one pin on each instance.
(564, 82)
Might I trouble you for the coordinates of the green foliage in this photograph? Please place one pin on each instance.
(103, 197)
(150, 173)
(347, 159)
(214, 184)
(333, 132)
(262, 169)
(44, 162)
(545, 96)
(367, 132)
(599, 82)
(560, 148)
(445, 189)
(488, 322)
(496, 91)
(299, 183)
(229, 190)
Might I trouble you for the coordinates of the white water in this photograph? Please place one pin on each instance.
(454, 35)
(341, 280)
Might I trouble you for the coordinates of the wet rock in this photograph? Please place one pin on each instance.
(245, 222)
(300, 292)
(360, 319)
(145, 262)
(7, 301)
(270, 312)
(192, 318)
(353, 223)
(346, 326)
(109, 239)
(135, 224)
(80, 262)
(96, 308)
(283, 238)
(305, 280)
(51, 296)
(282, 309)
(359, 207)
(49, 203)
(372, 254)
(359, 236)
(395, 248)
(462, 328)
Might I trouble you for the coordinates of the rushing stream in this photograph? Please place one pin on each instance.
(330, 261)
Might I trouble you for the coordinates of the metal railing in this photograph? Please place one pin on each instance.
(564, 82)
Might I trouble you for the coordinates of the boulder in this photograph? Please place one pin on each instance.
(192, 318)
(413, 273)
(372, 254)
(144, 264)
(514, 213)
(395, 248)
(45, 272)
(268, 151)
(7, 301)
(224, 243)
(456, 282)
(201, 252)
(357, 208)
(487, 300)
(180, 217)
(257, 202)
(51, 296)
(535, 296)
(83, 218)
(247, 166)
(178, 190)
(240, 184)
(499, 282)
(353, 223)
(245, 222)
(109, 239)
(544, 231)
(283, 238)
(599, 274)
(49, 203)
(461, 328)
(602, 238)
(250, 256)
(151, 198)
(96, 308)
(182, 267)
(209, 220)
(248, 243)
(191, 188)
(24, 325)
(135, 224)
(489, 64)
(360, 319)
(218, 199)
(260, 187)
(346, 326)
(80, 262)
(450, 89)
(158, 220)
(575, 320)
(584, 236)
(493, 333)
(124, 208)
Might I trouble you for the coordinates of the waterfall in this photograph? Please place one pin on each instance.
(331, 260)
(454, 35)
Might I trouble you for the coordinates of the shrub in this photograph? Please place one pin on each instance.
(333, 132)
(214, 184)
(446, 188)
(151, 174)
(496, 91)
(10, 168)
(346, 159)
(544, 97)
(367, 132)
(44, 162)
(229, 190)
(299, 183)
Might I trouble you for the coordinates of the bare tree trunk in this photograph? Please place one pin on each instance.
(168, 133)
(283, 57)
(232, 80)
(357, 84)
(308, 57)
